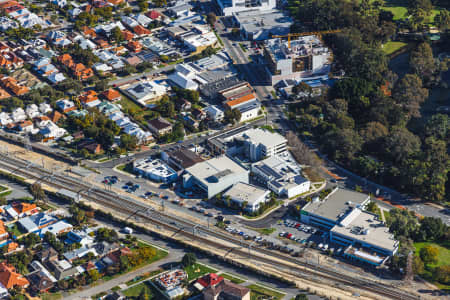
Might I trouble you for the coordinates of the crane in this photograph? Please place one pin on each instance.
(318, 33)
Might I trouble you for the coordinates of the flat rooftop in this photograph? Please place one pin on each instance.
(253, 21)
(366, 228)
(305, 45)
(185, 158)
(337, 204)
(153, 166)
(246, 192)
(213, 170)
(264, 137)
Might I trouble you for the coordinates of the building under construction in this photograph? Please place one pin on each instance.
(303, 58)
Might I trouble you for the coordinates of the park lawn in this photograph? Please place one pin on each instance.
(399, 12)
(443, 259)
(391, 47)
(134, 291)
(232, 278)
(197, 270)
(444, 253)
(258, 292)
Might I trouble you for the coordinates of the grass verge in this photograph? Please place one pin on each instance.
(233, 279)
(265, 231)
(259, 292)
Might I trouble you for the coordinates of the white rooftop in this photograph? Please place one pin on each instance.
(366, 228)
(244, 192)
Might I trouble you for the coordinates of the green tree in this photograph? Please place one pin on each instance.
(442, 20)
(418, 266)
(422, 62)
(94, 274)
(372, 207)
(442, 274)
(37, 192)
(402, 223)
(410, 94)
(188, 259)
(432, 229)
(116, 35)
(301, 297)
(401, 143)
(429, 254)
(211, 18)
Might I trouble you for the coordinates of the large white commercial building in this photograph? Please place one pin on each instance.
(282, 175)
(255, 143)
(229, 7)
(261, 25)
(250, 195)
(215, 175)
(365, 237)
(154, 169)
(306, 57)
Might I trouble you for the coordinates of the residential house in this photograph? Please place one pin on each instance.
(5, 119)
(89, 99)
(47, 254)
(129, 21)
(65, 105)
(160, 126)
(134, 46)
(25, 126)
(198, 114)
(58, 38)
(12, 85)
(3, 232)
(112, 95)
(182, 104)
(55, 116)
(40, 283)
(45, 108)
(81, 72)
(226, 290)
(211, 279)
(24, 208)
(64, 269)
(9, 278)
(32, 111)
(133, 60)
(91, 146)
(141, 31)
(143, 19)
(127, 35)
(57, 228)
(154, 15)
(56, 78)
(36, 222)
(18, 114)
(83, 237)
(51, 131)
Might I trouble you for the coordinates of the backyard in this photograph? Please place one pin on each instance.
(197, 270)
(134, 291)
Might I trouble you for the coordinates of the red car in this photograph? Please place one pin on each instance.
(288, 235)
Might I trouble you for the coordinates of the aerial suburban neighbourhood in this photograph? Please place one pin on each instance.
(224, 149)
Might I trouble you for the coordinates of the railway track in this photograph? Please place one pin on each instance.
(187, 228)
